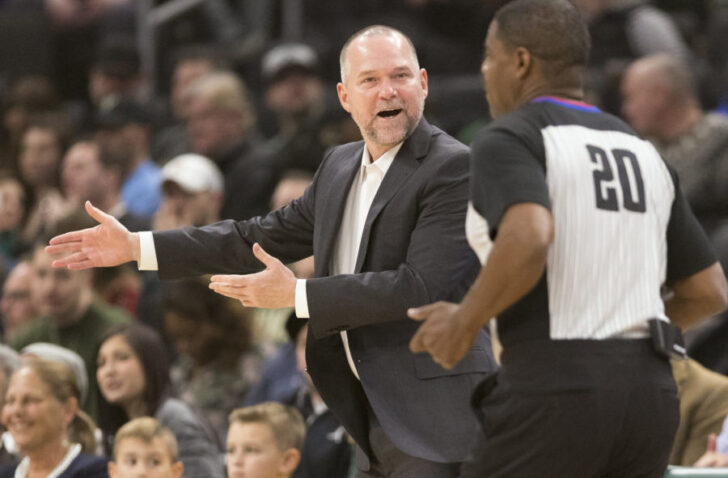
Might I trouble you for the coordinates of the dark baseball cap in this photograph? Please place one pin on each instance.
(123, 113)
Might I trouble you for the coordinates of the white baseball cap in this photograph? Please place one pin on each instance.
(193, 173)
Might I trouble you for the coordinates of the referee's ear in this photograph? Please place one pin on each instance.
(524, 62)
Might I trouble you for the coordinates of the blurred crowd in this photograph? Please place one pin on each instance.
(225, 112)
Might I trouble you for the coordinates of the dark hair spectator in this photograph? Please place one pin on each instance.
(115, 73)
(42, 147)
(133, 378)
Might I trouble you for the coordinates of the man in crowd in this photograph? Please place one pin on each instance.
(70, 315)
(221, 125)
(660, 102)
(126, 130)
(90, 172)
(578, 223)
(192, 192)
(294, 91)
(190, 63)
(16, 304)
(384, 220)
(621, 31)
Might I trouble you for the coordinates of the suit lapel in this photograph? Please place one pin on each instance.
(333, 210)
(406, 161)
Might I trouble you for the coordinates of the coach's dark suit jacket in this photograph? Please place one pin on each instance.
(413, 251)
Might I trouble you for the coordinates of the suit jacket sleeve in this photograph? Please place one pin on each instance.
(416, 254)
(286, 234)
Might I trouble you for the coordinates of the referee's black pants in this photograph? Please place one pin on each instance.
(576, 409)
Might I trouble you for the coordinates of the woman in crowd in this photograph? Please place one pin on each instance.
(41, 413)
(133, 377)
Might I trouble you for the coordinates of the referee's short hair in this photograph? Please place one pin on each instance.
(551, 30)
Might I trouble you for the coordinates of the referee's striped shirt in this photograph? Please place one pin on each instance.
(622, 226)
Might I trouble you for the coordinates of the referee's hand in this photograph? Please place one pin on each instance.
(444, 333)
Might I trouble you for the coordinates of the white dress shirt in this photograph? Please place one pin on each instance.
(343, 261)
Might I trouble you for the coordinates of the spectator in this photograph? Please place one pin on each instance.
(9, 363)
(703, 407)
(294, 91)
(292, 185)
(621, 31)
(28, 96)
(191, 63)
(221, 126)
(94, 173)
(281, 378)
(126, 130)
(217, 361)
(327, 448)
(17, 306)
(133, 377)
(41, 150)
(42, 414)
(660, 102)
(143, 447)
(192, 193)
(63, 355)
(115, 74)
(716, 454)
(12, 215)
(121, 287)
(78, 28)
(264, 441)
(269, 324)
(70, 316)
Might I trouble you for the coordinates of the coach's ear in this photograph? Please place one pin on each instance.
(343, 96)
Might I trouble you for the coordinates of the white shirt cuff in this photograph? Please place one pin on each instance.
(301, 299)
(147, 252)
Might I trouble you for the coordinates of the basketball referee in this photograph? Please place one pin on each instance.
(579, 223)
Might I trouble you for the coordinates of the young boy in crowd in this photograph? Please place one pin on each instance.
(264, 441)
(143, 447)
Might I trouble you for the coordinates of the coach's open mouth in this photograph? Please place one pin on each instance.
(389, 113)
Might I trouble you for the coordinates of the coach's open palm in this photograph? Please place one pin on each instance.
(107, 244)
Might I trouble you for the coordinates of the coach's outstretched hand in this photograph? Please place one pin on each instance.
(107, 244)
(272, 288)
(445, 334)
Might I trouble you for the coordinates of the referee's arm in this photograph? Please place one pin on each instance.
(698, 296)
